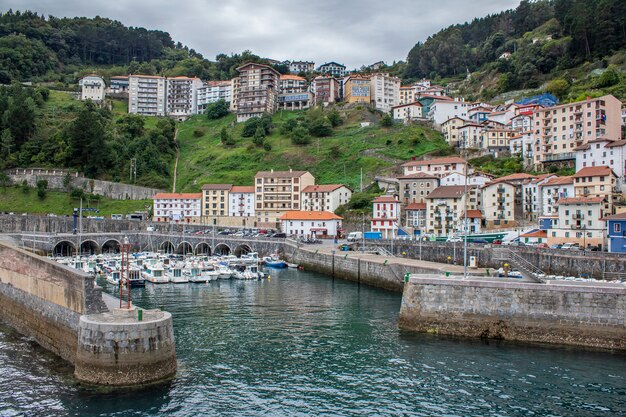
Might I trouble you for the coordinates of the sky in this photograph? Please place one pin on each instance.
(350, 32)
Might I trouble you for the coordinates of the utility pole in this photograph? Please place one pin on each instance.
(465, 214)
(133, 170)
(361, 186)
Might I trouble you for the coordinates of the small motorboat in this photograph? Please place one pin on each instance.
(271, 262)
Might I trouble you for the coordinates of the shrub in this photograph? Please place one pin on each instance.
(217, 110)
(300, 136)
(386, 121)
(267, 146)
(199, 132)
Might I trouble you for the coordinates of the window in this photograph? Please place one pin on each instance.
(617, 227)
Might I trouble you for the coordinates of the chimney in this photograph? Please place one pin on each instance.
(414, 158)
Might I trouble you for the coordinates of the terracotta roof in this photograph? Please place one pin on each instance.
(416, 206)
(217, 186)
(559, 181)
(123, 77)
(279, 174)
(516, 177)
(536, 233)
(436, 161)
(448, 191)
(418, 176)
(309, 215)
(542, 177)
(474, 214)
(618, 216)
(322, 188)
(385, 199)
(582, 147)
(601, 171)
(258, 65)
(414, 103)
(176, 196)
(497, 182)
(292, 77)
(242, 189)
(217, 83)
(581, 200)
(146, 76)
(616, 143)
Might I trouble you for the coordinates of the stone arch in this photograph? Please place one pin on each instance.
(167, 247)
(222, 249)
(89, 247)
(184, 248)
(111, 246)
(242, 250)
(203, 248)
(64, 248)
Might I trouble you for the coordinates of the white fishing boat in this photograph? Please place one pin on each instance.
(194, 274)
(210, 272)
(175, 274)
(155, 274)
(114, 277)
(224, 272)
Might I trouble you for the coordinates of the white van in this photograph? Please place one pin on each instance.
(354, 236)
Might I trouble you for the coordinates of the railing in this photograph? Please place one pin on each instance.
(526, 268)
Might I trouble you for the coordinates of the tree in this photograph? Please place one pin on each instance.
(334, 118)
(609, 77)
(249, 127)
(226, 138)
(259, 136)
(386, 120)
(300, 136)
(559, 87)
(6, 141)
(42, 185)
(217, 110)
(87, 136)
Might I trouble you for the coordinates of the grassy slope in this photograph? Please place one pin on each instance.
(13, 199)
(338, 158)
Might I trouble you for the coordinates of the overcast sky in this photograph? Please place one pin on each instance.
(351, 32)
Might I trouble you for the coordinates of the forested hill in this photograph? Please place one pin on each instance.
(543, 37)
(38, 48)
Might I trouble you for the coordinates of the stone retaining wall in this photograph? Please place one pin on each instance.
(584, 315)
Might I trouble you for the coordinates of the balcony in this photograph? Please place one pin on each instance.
(501, 200)
(560, 157)
(578, 216)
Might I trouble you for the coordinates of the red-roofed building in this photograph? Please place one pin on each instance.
(535, 237)
(325, 197)
(499, 204)
(438, 167)
(604, 152)
(579, 221)
(445, 207)
(385, 215)
(415, 216)
(598, 181)
(241, 204)
(177, 207)
(311, 223)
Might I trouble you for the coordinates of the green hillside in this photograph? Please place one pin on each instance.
(338, 158)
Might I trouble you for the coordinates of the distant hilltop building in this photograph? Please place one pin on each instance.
(92, 87)
(333, 68)
(212, 91)
(255, 91)
(296, 67)
(118, 85)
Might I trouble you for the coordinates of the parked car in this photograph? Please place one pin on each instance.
(481, 241)
(542, 245)
(224, 232)
(556, 246)
(570, 246)
(454, 239)
(279, 235)
(497, 242)
(594, 248)
(354, 236)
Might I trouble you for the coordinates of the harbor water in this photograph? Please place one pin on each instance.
(301, 343)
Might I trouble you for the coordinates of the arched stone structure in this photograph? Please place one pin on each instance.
(89, 247)
(203, 248)
(222, 249)
(184, 248)
(242, 250)
(64, 248)
(111, 246)
(167, 247)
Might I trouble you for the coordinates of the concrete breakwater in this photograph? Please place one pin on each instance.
(54, 304)
(583, 315)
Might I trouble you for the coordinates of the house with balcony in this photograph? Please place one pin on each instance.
(255, 91)
(333, 68)
(414, 188)
(241, 205)
(498, 204)
(445, 208)
(147, 95)
(439, 167)
(616, 232)
(531, 196)
(580, 221)
(385, 216)
(177, 207)
(414, 217)
(598, 181)
(407, 112)
(325, 89)
(450, 130)
(326, 197)
(475, 178)
(604, 152)
(92, 87)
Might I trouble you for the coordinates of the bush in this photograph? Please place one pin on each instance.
(249, 127)
(77, 193)
(300, 136)
(267, 146)
(259, 136)
(217, 110)
(386, 121)
(609, 78)
(334, 118)
(199, 132)
(558, 87)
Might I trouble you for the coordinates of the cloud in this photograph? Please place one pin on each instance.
(351, 32)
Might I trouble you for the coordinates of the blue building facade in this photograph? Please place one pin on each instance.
(616, 232)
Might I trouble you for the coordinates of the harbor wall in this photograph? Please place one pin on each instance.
(584, 315)
(44, 300)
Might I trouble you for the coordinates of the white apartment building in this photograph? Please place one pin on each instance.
(333, 68)
(476, 179)
(604, 152)
(439, 167)
(277, 192)
(384, 91)
(522, 122)
(181, 96)
(551, 191)
(146, 95)
(442, 110)
(385, 215)
(579, 221)
(407, 112)
(532, 196)
(320, 224)
(92, 87)
(212, 91)
(241, 201)
(296, 67)
(469, 135)
(326, 197)
(177, 207)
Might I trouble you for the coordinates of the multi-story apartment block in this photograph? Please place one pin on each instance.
(319, 224)
(599, 181)
(385, 214)
(443, 109)
(496, 141)
(604, 152)
(469, 135)
(415, 216)
(498, 204)
(445, 208)
(212, 91)
(414, 188)
(439, 167)
(357, 89)
(215, 203)
(241, 204)
(296, 67)
(293, 93)
(579, 221)
(522, 123)
(476, 178)
(92, 87)
(181, 96)
(326, 197)
(333, 68)
(118, 85)
(385, 91)
(551, 192)
(532, 196)
(560, 129)
(292, 84)
(450, 130)
(407, 94)
(255, 91)
(177, 207)
(407, 112)
(522, 145)
(277, 192)
(147, 95)
(325, 89)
